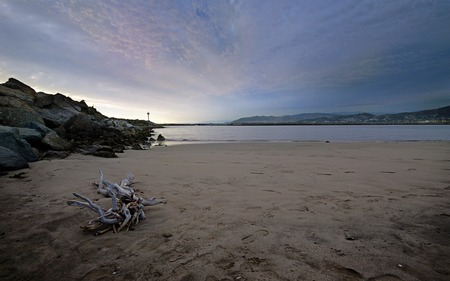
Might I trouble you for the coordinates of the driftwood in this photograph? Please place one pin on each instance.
(127, 208)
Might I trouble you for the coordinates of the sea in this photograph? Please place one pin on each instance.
(292, 133)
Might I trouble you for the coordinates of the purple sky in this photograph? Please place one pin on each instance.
(197, 61)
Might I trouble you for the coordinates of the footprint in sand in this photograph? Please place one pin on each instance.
(255, 236)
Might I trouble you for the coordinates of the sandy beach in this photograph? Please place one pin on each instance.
(240, 211)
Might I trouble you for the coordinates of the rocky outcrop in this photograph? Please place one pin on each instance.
(36, 125)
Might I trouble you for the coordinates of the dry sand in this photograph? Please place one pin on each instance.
(294, 211)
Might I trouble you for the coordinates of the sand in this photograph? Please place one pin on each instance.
(241, 211)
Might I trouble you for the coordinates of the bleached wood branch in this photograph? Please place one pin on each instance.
(127, 208)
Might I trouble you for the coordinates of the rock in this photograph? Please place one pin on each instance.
(41, 128)
(160, 138)
(43, 100)
(16, 84)
(55, 142)
(15, 93)
(119, 148)
(10, 160)
(49, 121)
(16, 111)
(9, 138)
(54, 116)
(98, 150)
(57, 109)
(18, 117)
(136, 146)
(82, 125)
(52, 154)
(32, 136)
(105, 154)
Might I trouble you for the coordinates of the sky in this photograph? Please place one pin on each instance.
(186, 61)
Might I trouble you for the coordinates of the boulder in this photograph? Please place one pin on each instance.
(55, 142)
(10, 138)
(10, 160)
(43, 100)
(160, 138)
(82, 125)
(15, 110)
(41, 128)
(17, 85)
(18, 117)
(55, 116)
(15, 93)
(6, 101)
(32, 136)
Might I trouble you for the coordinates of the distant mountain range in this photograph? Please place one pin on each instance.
(432, 116)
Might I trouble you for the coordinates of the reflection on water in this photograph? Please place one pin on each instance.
(208, 134)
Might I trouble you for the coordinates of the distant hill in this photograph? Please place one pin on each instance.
(432, 116)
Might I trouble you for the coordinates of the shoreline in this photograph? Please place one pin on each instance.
(281, 142)
(242, 211)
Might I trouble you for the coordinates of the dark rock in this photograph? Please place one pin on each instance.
(15, 93)
(43, 100)
(15, 111)
(160, 138)
(9, 138)
(41, 128)
(52, 154)
(54, 116)
(10, 160)
(119, 148)
(136, 146)
(82, 125)
(18, 117)
(56, 124)
(57, 109)
(16, 84)
(32, 136)
(98, 150)
(55, 142)
(105, 154)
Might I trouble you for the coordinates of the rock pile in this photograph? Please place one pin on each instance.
(35, 125)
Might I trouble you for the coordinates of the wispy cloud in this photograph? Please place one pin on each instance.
(232, 57)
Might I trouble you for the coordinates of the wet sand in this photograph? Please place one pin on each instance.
(241, 211)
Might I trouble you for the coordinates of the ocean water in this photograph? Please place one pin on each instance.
(354, 133)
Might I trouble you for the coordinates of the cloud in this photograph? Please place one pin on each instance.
(229, 55)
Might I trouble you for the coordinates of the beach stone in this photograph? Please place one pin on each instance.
(160, 138)
(55, 142)
(10, 160)
(52, 154)
(98, 150)
(10, 138)
(136, 146)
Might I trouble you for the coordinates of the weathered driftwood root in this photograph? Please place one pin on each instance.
(127, 208)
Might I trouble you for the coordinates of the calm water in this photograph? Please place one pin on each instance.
(196, 134)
